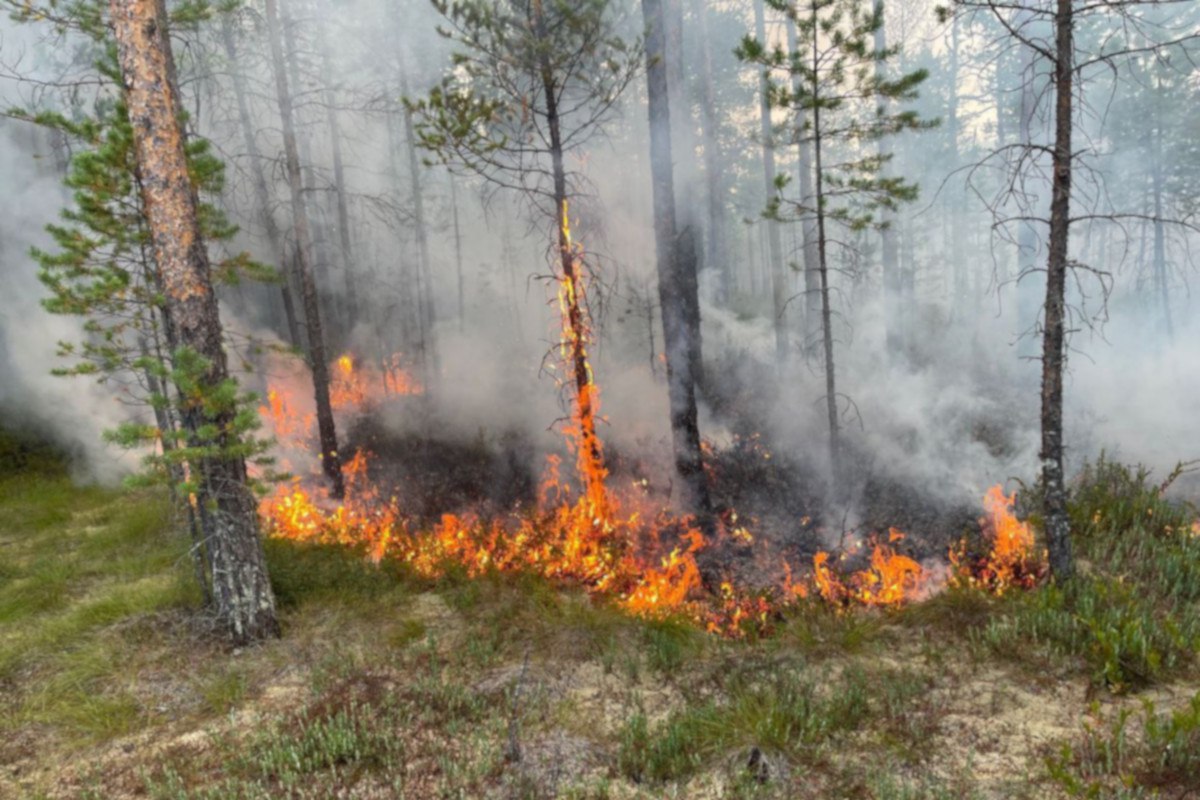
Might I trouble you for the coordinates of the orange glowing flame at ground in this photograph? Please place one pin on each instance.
(1013, 559)
(610, 541)
(892, 578)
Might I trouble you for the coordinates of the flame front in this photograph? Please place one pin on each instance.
(610, 540)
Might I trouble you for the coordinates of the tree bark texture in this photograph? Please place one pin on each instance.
(1057, 523)
(244, 601)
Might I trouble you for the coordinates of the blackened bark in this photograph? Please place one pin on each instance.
(330, 459)
(590, 450)
(679, 326)
(262, 194)
(775, 247)
(1058, 524)
(244, 601)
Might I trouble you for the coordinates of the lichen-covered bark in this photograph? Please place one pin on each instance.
(331, 462)
(242, 592)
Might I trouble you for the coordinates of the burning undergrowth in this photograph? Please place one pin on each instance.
(602, 522)
(418, 494)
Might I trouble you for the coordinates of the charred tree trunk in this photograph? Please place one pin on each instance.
(330, 459)
(812, 277)
(244, 601)
(775, 247)
(343, 209)
(1058, 524)
(572, 299)
(679, 328)
(262, 194)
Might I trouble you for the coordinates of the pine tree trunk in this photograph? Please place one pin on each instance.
(262, 194)
(953, 211)
(330, 458)
(679, 327)
(831, 399)
(590, 452)
(1058, 525)
(775, 247)
(412, 322)
(244, 601)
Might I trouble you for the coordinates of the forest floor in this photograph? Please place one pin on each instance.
(113, 685)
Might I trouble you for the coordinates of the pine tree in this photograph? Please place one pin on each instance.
(107, 268)
(842, 103)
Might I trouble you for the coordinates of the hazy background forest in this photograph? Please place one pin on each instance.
(964, 365)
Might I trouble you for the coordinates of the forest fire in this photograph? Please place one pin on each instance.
(602, 535)
(1012, 561)
(355, 384)
(613, 542)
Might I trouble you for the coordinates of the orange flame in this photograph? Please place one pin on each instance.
(1013, 559)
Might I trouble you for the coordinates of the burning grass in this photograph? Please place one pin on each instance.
(612, 538)
(623, 545)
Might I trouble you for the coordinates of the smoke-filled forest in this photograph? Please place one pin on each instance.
(599, 399)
